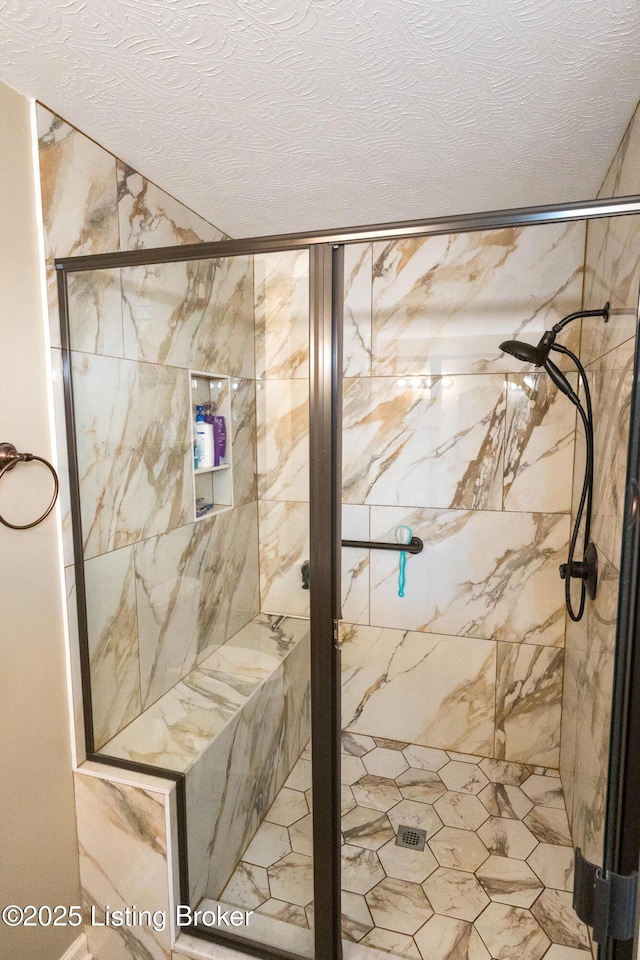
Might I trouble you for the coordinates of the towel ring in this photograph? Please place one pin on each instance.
(9, 457)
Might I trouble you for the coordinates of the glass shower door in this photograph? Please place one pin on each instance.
(190, 384)
(476, 720)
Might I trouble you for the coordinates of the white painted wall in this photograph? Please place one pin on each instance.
(38, 843)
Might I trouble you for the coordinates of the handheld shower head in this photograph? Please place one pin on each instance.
(587, 569)
(539, 357)
(527, 353)
(561, 382)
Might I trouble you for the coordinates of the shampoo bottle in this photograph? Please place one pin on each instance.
(204, 441)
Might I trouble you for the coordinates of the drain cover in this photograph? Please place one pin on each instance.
(411, 837)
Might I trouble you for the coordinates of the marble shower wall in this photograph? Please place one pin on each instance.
(281, 297)
(163, 590)
(474, 452)
(612, 272)
(125, 838)
(178, 587)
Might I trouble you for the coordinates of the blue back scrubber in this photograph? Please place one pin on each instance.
(403, 535)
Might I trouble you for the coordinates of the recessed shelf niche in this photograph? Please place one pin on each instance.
(212, 486)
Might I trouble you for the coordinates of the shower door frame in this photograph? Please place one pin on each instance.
(326, 249)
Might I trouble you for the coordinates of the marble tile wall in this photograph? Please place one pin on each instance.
(235, 726)
(123, 839)
(474, 452)
(165, 592)
(158, 584)
(612, 272)
(191, 585)
(281, 297)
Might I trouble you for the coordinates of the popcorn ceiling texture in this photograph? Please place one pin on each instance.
(280, 115)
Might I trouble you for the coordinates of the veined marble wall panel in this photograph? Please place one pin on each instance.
(134, 450)
(149, 217)
(595, 679)
(611, 381)
(484, 574)
(95, 312)
(590, 799)
(284, 547)
(586, 712)
(539, 446)
(613, 260)
(355, 564)
(621, 179)
(434, 441)
(283, 439)
(123, 863)
(196, 314)
(356, 348)
(442, 305)
(528, 704)
(196, 587)
(447, 435)
(612, 272)
(113, 642)
(281, 296)
(273, 730)
(81, 215)
(79, 199)
(78, 196)
(569, 720)
(383, 669)
(296, 727)
(243, 426)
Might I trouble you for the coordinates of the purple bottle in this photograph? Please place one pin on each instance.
(219, 440)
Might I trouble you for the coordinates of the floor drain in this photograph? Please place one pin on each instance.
(411, 837)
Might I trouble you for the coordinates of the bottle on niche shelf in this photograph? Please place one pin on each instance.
(204, 441)
(219, 439)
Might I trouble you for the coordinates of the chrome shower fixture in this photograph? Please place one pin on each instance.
(585, 570)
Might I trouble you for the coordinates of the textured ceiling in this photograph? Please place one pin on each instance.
(269, 116)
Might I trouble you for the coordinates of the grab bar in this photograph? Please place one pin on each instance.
(414, 546)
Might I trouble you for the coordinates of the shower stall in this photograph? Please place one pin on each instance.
(368, 748)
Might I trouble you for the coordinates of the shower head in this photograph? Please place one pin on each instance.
(526, 352)
(539, 357)
(522, 351)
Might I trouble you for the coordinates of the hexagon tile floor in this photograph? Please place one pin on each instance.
(493, 881)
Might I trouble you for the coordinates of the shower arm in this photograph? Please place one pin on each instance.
(561, 324)
(548, 338)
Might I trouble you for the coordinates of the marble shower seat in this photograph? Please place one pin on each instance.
(175, 730)
(235, 726)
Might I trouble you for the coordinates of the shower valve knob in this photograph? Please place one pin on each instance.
(586, 570)
(579, 570)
